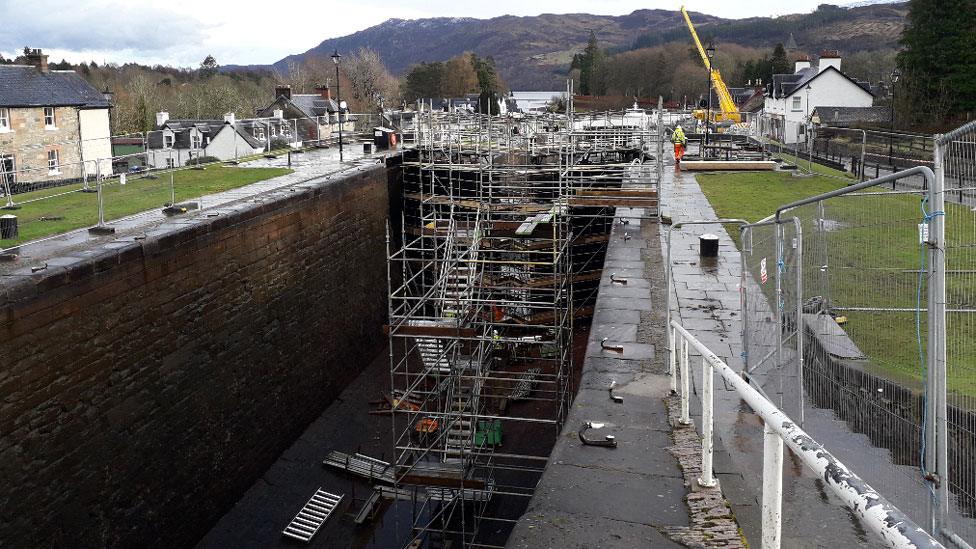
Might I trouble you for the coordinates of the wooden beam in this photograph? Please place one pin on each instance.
(722, 165)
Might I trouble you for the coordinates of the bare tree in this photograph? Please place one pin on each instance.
(371, 82)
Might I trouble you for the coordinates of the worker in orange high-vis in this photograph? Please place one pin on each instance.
(679, 140)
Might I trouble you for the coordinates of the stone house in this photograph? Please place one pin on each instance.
(317, 114)
(54, 126)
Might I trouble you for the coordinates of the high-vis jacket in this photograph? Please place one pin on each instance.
(678, 136)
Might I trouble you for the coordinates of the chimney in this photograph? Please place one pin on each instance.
(325, 91)
(829, 58)
(230, 118)
(283, 91)
(161, 118)
(802, 62)
(37, 58)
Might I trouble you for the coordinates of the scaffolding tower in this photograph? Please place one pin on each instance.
(505, 224)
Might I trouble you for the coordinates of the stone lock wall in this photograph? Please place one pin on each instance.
(147, 383)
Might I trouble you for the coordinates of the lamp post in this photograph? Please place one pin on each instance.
(895, 75)
(709, 53)
(335, 59)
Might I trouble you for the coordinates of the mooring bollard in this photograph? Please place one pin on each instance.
(708, 245)
(8, 227)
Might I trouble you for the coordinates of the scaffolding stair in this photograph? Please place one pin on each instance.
(360, 465)
(460, 434)
(525, 384)
(313, 515)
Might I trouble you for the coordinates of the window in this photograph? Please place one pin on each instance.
(271, 130)
(168, 141)
(49, 121)
(4, 120)
(52, 162)
(169, 163)
(195, 141)
(796, 103)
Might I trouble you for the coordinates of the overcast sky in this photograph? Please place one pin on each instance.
(183, 32)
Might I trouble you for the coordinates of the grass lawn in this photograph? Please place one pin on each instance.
(874, 257)
(74, 210)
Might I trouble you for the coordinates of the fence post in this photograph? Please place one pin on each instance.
(800, 327)
(707, 479)
(672, 333)
(936, 443)
(685, 384)
(772, 494)
(744, 232)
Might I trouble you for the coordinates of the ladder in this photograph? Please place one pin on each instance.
(312, 516)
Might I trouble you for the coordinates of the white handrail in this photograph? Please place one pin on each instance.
(875, 512)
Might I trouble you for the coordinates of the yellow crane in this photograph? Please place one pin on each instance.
(729, 112)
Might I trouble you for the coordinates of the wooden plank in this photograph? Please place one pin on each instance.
(448, 331)
(444, 481)
(722, 165)
(611, 202)
(635, 192)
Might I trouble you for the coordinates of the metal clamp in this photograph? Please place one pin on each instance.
(613, 397)
(614, 348)
(609, 441)
(615, 280)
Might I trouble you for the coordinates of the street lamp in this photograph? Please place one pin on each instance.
(709, 53)
(335, 59)
(895, 75)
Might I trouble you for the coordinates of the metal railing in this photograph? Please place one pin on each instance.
(875, 512)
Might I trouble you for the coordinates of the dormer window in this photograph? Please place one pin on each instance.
(49, 121)
(168, 141)
(195, 141)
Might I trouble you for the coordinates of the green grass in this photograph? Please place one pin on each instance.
(874, 257)
(74, 210)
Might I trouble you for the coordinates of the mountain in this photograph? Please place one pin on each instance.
(533, 53)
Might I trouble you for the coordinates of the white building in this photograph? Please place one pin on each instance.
(175, 142)
(792, 98)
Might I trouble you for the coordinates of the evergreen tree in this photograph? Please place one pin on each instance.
(591, 64)
(939, 56)
(209, 67)
(779, 63)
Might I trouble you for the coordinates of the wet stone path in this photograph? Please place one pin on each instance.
(705, 299)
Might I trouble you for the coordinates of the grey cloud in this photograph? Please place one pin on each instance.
(65, 24)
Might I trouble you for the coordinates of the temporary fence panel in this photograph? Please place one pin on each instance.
(956, 166)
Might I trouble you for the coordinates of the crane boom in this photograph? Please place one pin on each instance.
(729, 110)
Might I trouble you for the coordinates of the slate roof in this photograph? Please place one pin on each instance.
(314, 105)
(26, 86)
(309, 104)
(209, 128)
(785, 85)
(841, 116)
